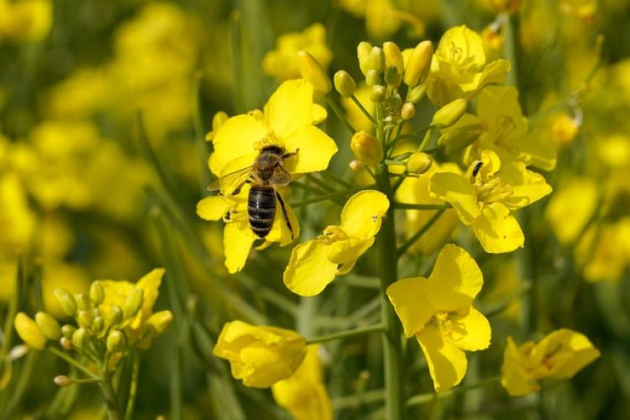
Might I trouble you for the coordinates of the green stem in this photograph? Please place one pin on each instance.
(340, 115)
(432, 396)
(133, 389)
(509, 47)
(362, 108)
(367, 397)
(346, 334)
(109, 395)
(412, 240)
(74, 363)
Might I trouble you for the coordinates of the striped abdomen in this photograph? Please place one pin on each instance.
(261, 209)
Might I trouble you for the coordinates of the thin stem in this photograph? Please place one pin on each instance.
(398, 138)
(367, 397)
(337, 179)
(74, 363)
(340, 115)
(346, 334)
(109, 395)
(411, 206)
(428, 397)
(362, 108)
(412, 240)
(133, 389)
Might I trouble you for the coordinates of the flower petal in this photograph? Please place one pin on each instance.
(447, 363)
(280, 231)
(314, 149)
(290, 107)
(213, 208)
(237, 242)
(234, 139)
(455, 281)
(411, 304)
(456, 189)
(362, 214)
(471, 331)
(527, 186)
(309, 271)
(567, 352)
(344, 251)
(513, 376)
(497, 231)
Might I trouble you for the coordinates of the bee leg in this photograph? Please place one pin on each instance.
(240, 187)
(288, 155)
(284, 213)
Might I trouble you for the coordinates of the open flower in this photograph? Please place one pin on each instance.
(316, 263)
(304, 394)
(560, 355)
(484, 198)
(459, 67)
(439, 312)
(260, 355)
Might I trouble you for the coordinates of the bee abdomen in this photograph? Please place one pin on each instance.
(261, 210)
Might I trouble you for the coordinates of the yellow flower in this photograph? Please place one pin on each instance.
(564, 130)
(316, 263)
(260, 355)
(603, 252)
(16, 217)
(382, 18)
(483, 199)
(571, 207)
(438, 311)
(28, 331)
(282, 63)
(560, 355)
(25, 20)
(459, 67)
(304, 394)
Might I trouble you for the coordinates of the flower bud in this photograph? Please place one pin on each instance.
(419, 163)
(366, 148)
(62, 380)
(372, 78)
(345, 84)
(67, 331)
(418, 64)
(160, 321)
(66, 343)
(363, 53)
(376, 60)
(458, 138)
(83, 301)
(450, 113)
(66, 301)
(408, 111)
(48, 325)
(29, 332)
(84, 319)
(115, 341)
(392, 77)
(395, 101)
(313, 72)
(133, 303)
(378, 93)
(98, 324)
(80, 338)
(114, 315)
(97, 293)
(356, 165)
(394, 58)
(416, 94)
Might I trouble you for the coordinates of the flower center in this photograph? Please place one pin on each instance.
(333, 234)
(269, 140)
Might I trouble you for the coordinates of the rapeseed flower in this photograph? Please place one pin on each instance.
(486, 195)
(571, 207)
(560, 355)
(25, 20)
(316, 263)
(438, 311)
(260, 356)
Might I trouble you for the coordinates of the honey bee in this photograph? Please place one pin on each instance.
(266, 173)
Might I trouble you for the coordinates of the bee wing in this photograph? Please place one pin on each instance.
(281, 176)
(230, 183)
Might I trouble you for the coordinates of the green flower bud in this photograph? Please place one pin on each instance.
(66, 301)
(394, 58)
(419, 163)
(408, 111)
(392, 77)
(363, 53)
(450, 113)
(458, 138)
(133, 303)
(378, 93)
(115, 341)
(416, 94)
(84, 319)
(48, 325)
(395, 101)
(83, 301)
(98, 324)
(418, 64)
(345, 84)
(372, 78)
(97, 293)
(114, 316)
(366, 148)
(67, 331)
(62, 380)
(313, 72)
(80, 338)
(376, 60)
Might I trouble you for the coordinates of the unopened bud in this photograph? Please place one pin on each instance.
(62, 380)
(114, 315)
(345, 84)
(363, 53)
(419, 163)
(450, 113)
(408, 111)
(394, 58)
(97, 293)
(66, 301)
(372, 78)
(376, 60)
(160, 321)
(356, 165)
(29, 332)
(395, 101)
(313, 72)
(66, 343)
(392, 77)
(133, 303)
(98, 324)
(378, 93)
(418, 64)
(416, 94)
(80, 338)
(458, 138)
(115, 341)
(67, 331)
(366, 148)
(84, 319)
(83, 301)
(48, 325)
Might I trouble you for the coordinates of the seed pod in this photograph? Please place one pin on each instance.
(450, 113)
(97, 293)
(66, 301)
(48, 325)
(418, 64)
(133, 303)
(313, 72)
(344, 84)
(28, 331)
(419, 163)
(408, 111)
(363, 53)
(80, 338)
(458, 138)
(366, 148)
(115, 341)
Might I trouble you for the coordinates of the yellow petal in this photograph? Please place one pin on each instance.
(280, 231)
(527, 186)
(150, 285)
(513, 376)
(571, 207)
(411, 304)
(234, 139)
(471, 331)
(455, 281)
(497, 230)
(309, 271)
(319, 113)
(458, 191)
(362, 215)
(237, 242)
(447, 363)
(342, 252)
(290, 108)
(314, 149)
(567, 352)
(213, 208)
